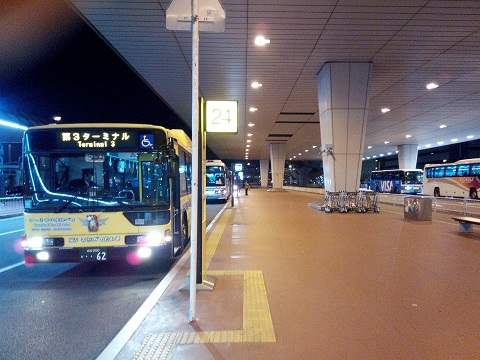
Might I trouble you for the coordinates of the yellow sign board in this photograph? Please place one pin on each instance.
(222, 116)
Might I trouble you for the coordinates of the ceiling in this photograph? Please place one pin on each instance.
(410, 42)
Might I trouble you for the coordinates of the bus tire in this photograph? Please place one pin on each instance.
(473, 193)
(436, 192)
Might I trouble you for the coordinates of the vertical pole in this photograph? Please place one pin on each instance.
(194, 210)
(201, 238)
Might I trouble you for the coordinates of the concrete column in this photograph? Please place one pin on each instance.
(343, 103)
(277, 161)
(264, 173)
(407, 156)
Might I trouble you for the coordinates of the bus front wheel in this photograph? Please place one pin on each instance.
(436, 192)
(473, 193)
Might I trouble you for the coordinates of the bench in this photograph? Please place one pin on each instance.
(466, 223)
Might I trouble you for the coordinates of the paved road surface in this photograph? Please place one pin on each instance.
(66, 311)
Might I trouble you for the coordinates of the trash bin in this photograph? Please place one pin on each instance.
(417, 208)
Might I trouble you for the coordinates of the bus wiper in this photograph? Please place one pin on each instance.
(64, 205)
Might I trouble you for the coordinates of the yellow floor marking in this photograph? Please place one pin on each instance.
(257, 320)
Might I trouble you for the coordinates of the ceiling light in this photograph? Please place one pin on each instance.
(381, 155)
(389, 153)
(396, 151)
(294, 157)
(290, 159)
(248, 145)
(368, 157)
(374, 156)
(57, 118)
(249, 134)
(251, 124)
(12, 125)
(248, 163)
(428, 145)
(260, 40)
(386, 142)
(444, 160)
(255, 84)
(439, 142)
(385, 110)
(363, 159)
(314, 146)
(443, 126)
(408, 136)
(431, 86)
(253, 109)
(306, 150)
(299, 154)
(454, 140)
(369, 146)
(249, 141)
(469, 136)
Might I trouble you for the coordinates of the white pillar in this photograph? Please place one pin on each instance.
(343, 103)
(264, 173)
(407, 156)
(277, 159)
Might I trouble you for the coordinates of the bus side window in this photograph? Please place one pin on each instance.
(439, 172)
(183, 172)
(429, 172)
(475, 170)
(451, 171)
(463, 170)
(188, 177)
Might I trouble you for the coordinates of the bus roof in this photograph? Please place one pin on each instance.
(178, 134)
(464, 161)
(215, 163)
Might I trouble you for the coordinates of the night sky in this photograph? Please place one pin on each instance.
(56, 64)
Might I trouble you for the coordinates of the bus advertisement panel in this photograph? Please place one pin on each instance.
(400, 181)
(102, 192)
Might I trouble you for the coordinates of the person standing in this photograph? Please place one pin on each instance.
(247, 187)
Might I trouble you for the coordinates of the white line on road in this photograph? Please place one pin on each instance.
(10, 267)
(11, 232)
(11, 218)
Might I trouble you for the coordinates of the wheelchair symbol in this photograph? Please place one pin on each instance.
(146, 143)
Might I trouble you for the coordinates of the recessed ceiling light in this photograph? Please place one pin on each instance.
(408, 136)
(314, 146)
(306, 150)
(386, 142)
(396, 151)
(369, 146)
(290, 159)
(431, 85)
(255, 84)
(249, 141)
(368, 157)
(249, 134)
(454, 140)
(374, 156)
(363, 159)
(440, 143)
(253, 109)
(389, 153)
(260, 40)
(444, 160)
(294, 157)
(248, 145)
(299, 154)
(385, 110)
(382, 155)
(443, 126)
(469, 136)
(57, 118)
(251, 124)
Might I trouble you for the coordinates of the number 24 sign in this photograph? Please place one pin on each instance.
(222, 116)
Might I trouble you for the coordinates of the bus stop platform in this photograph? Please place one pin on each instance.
(295, 283)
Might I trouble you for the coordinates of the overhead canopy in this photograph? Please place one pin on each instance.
(410, 42)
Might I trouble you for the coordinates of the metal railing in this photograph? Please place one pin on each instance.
(466, 207)
(11, 205)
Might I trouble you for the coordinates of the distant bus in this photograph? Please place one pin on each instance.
(400, 181)
(460, 179)
(99, 192)
(217, 180)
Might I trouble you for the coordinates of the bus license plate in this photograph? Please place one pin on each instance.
(93, 255)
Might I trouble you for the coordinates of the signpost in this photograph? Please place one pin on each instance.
(222, 116)
(189, 15)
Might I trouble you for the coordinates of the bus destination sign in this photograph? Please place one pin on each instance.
(97, 139)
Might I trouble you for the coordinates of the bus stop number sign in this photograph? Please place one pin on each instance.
(222, 117)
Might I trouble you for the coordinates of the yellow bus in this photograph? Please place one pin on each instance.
(99, 192)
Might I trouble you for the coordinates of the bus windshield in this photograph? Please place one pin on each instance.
(101, 181)
(413, 177)
(215, 176)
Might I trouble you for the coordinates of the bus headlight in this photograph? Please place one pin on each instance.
(33, 242)
(156, 238)
(144, 252)
(43, 256)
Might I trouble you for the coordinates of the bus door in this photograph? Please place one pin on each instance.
(175, 215)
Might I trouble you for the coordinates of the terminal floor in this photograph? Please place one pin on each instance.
(294, 283)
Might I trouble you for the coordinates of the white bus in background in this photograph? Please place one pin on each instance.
(459, 179)
(217, 180)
